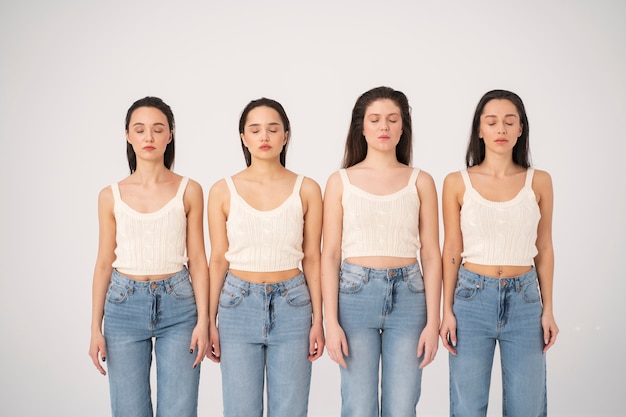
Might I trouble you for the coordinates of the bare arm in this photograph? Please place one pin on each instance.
(312, 202)
(430, 257)
(544, 261)
(198, 267)
(336, 343)
(217, 209)
(102, 275)
(453, 189)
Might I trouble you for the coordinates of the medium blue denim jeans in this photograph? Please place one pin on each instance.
(264, 334)
(382, 312)
(136, 316)
(507, 311)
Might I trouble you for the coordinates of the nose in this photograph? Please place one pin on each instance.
(502, 128)
(384, 125)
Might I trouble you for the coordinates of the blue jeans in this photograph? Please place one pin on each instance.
(506, 311)
(264, 334)
(382, 312)
(136, 314)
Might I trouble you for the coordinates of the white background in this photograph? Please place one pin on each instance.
(70, 69)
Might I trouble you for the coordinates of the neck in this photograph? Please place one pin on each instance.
(380, 160)
(149, 173)
(499, 165)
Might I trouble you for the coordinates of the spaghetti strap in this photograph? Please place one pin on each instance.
(466, 180)
(529, 177)
(117, 197)
(344, 177)
(182, 187)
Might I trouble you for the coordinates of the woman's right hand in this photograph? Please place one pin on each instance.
(447, 332)
(336, 344)
(97, 351)
(214, 344)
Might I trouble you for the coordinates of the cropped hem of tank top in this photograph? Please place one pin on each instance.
(265, 240)
(380, 225)
(150, 243)
(500, 233)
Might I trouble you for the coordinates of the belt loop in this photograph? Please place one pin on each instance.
(482, 282)
(367, 275)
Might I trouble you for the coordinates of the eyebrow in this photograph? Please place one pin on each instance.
(506, 115)
(141, 124)
(259, 124)
(378, 114)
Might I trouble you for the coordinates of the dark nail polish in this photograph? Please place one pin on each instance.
(190, 350)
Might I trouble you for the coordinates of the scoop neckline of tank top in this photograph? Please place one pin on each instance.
(367, 193)
(165, 206)
(248, 205)
(512, 200)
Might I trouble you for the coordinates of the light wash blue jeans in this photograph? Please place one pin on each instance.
(382, 312)
(136, 314)
(506, 311)
(264, 334)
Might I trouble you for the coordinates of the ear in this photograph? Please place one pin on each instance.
(243, 139)
(171, 136)
(286, 137)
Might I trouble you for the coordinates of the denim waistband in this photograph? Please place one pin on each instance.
(167, 283)
(267, 287)
(487, 281)
(373, 273)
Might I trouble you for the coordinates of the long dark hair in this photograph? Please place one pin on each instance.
(273, 104)
(476, 148)
(356, 146)
(157, 103)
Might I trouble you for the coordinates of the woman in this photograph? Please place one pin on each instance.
(379, 213)
(151, 277)
(264, 223)
(498, 265)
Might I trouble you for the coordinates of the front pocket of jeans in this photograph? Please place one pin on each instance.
(531, 293)
(182, 290)
(415, 282)
(350, 283)
(116, 293)
(465, 291)
(231, 296)
(298, 296)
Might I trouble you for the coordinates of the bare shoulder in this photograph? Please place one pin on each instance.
(105, 196)
(310, 186)
(424, 178)
(542, 177)
(219, 190)
(453, 181)
(194, 187)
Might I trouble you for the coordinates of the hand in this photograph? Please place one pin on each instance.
(447, 332)
(336, 344)
(550, 330)
(428, 345)
(199, 343)
(316, 342)
(213, 352)
(97, 351)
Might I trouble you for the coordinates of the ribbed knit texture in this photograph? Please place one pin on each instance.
(380, 225)
(265, 241)
(150, 243)
(500, 233)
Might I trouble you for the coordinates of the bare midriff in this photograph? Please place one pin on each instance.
(498, 271)
(265, 277)
(146, 278)
(381, 262)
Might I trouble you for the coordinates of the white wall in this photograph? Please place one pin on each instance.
(70, 69)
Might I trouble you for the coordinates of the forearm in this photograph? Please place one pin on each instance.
(432, 285)
(311, 269)
(217, 272)
(101, 280)
(199, 273)
(330, 288)
(451, 261)
(544, 264)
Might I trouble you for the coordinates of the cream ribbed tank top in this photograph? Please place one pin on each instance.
(380, 225)
(500, 233)
(150, 243)
(265, 241)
